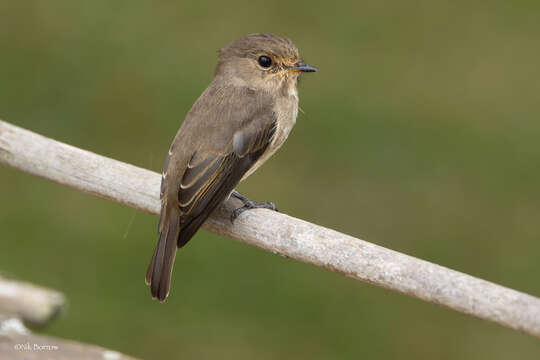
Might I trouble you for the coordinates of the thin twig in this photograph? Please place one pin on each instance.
(277, 233)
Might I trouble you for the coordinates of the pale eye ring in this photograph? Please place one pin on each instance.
(265, 61)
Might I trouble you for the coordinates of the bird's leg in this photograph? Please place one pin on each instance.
(248, 204)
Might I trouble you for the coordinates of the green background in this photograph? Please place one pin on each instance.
(420, 133)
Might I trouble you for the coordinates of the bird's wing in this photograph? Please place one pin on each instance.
(209, 177)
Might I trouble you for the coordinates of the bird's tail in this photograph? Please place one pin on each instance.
(158, 275)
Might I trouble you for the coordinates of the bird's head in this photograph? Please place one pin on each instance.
(263, 62)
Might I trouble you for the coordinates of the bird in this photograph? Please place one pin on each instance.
(238, 122)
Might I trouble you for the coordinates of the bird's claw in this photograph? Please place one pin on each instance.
(252, 205)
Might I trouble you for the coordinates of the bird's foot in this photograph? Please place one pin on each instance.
(248, 204)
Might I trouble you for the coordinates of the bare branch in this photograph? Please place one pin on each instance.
(34, 304)
(16, 342)
(277, 233)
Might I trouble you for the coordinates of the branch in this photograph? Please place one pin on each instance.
(38, 306)
(277, 233)
(34, 304)
(16, 342)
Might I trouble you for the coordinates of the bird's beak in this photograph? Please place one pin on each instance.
(302, 67)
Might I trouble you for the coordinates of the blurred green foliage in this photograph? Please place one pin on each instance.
(420, 133)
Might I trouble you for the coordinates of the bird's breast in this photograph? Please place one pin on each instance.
(286, 110)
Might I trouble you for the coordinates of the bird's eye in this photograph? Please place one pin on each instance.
(265, 61)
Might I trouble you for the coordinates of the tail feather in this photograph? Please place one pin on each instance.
(148, 277)
(158, 275)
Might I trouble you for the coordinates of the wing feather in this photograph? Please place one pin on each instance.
(214, 171)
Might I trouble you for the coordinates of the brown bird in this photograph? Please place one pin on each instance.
(238, 122)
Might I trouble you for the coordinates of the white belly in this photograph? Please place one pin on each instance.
(286, 111)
